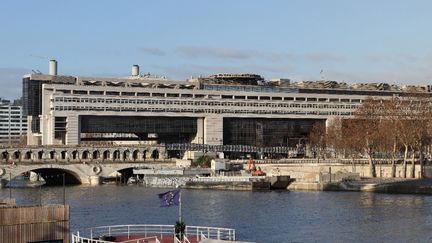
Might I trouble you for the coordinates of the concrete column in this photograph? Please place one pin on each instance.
(47, 129)
(332, 121)
(199, 136)
(213, 130)
(72, 130)
(30, 136)
(94, 180)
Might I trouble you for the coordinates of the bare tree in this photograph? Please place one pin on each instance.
(317, 139)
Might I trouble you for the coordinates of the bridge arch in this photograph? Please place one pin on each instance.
(52, 154)
(63, 154)
(51, 173)
(116, 154)
(17, 155)
(135, 154)
(106, 155)
(85, 154)
(54, 176)
(5, 155)
(155, 154)
(28, 155)
(40, 154)
(126, 154)
(96, 154)
(75, 155)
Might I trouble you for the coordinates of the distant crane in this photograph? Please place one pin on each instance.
(38, 57)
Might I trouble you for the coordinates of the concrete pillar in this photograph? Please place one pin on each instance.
(199, 136)
(213, 130)
(94, 180)
(72, 130)
(333, 120)
(47, 129)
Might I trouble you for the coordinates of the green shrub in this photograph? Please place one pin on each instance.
(203, 161)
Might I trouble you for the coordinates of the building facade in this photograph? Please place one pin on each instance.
(222, 109)
(13, 124)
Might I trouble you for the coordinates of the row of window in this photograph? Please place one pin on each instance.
(201, 96)
(199, 110)
(3, 124)
(208, 103)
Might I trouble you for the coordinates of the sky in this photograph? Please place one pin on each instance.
(350, 41)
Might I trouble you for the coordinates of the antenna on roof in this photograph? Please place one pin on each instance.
(322, 74)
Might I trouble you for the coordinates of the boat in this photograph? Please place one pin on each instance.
(132, 180)
(25, 182)
(152, 233)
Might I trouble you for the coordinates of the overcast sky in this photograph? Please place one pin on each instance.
(351, 41)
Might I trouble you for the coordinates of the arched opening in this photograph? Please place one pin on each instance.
(40, 154)
(144, 155)
(17, 155)
(63, 154)
(135, 155)
(96, 154)
(126, 154)
(5, 155)
(52, 154)
(106, 154)
(75, 154)
(116, 155)
(85, 154)
(155, 154)
(44, 177)
(54, 176)
(126, 175)
(28, 155)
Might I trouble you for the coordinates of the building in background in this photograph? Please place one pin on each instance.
(221, 109)
(13, 123)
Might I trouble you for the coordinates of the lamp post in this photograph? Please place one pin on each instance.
(64, 189)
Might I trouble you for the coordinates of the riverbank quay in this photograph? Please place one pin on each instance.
(376, 185)
(341, 176)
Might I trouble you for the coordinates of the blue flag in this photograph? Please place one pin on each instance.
(170, 198)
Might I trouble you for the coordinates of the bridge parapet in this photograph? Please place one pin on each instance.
(82, 153)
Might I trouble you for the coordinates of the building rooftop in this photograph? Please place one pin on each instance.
(223, 79)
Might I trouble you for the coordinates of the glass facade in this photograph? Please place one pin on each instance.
(32, 101)
(263, 132)
(161, 129)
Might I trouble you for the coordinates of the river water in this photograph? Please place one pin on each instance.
(257, 216)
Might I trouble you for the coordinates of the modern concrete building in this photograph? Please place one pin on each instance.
(13, 123)
(239, 109)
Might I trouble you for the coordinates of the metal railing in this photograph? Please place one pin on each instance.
(155, 232)
(223, 179)
(233, 148)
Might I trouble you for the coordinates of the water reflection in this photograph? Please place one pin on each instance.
(257, 216)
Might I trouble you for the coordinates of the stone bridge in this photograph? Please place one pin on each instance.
(85, 164)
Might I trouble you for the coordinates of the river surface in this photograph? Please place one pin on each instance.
(256, 216)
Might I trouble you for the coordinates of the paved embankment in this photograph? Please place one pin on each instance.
(408, 186)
